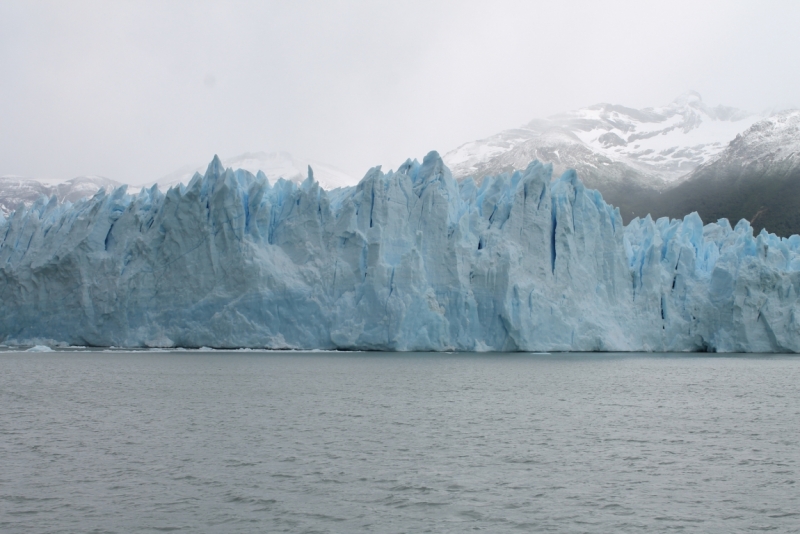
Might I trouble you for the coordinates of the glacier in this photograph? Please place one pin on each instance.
(405, 260)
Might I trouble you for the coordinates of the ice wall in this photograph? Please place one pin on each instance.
(409, 260)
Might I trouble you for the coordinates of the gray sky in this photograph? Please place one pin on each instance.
(134, 90)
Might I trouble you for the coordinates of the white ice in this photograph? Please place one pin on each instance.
(409, 260)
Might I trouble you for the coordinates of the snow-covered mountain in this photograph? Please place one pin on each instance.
(274, 165)
(756, 177)
(16, 190)
(606, 143)
(771, 142)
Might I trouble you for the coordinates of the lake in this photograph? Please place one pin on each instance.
(248, 441)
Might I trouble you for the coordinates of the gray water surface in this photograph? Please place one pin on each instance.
(373, 442)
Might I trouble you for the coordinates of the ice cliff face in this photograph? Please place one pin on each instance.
(409, 260)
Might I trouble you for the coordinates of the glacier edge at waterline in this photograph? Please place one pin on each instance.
(405, 260)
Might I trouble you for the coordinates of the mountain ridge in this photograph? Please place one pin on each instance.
(756, 178)
(664, 161)
(656, 146)
(667, 161)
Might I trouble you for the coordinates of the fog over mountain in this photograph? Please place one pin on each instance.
(135, 90)
(16, 191)
(756, 177)
(670, 161)
(608, 142)
(274, 165)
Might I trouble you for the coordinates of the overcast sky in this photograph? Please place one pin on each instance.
(134, 90)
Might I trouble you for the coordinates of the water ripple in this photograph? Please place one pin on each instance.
(279, 442)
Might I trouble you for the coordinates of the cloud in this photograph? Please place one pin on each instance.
(134, 90)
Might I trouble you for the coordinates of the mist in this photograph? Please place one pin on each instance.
(132, 91)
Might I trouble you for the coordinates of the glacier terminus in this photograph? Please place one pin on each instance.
(405, 260)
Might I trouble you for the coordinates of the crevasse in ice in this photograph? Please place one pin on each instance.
(407, 260)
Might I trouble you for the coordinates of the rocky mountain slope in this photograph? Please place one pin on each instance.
(757, 178)
(668, 161)
(629, 155)
(608, 143)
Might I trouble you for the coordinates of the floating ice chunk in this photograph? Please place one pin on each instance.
(40, 348)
